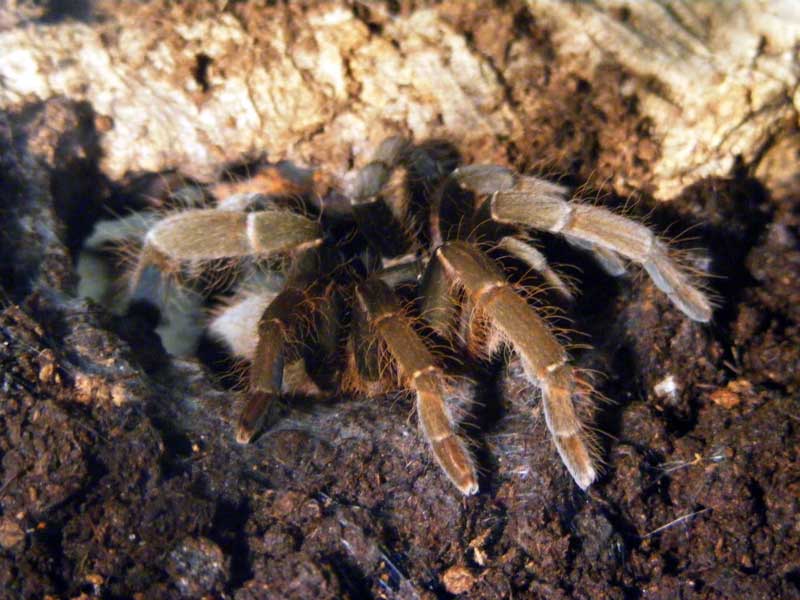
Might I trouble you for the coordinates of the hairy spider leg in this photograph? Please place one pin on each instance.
(486, 180)
(607, 259)
(543, 358)
(380, 212)
(539, 204)
(209, 234)
(536, 261)
(197, 236)
(419, 372)
(438, 305)
(282, 333)
(458, 213)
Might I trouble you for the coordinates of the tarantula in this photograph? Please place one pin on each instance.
(406, 251)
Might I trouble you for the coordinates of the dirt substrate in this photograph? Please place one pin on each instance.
(120, 476)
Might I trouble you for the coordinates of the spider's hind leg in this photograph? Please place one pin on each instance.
(208, 234)
(539, 204)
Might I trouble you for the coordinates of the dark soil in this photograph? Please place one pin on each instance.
(120, 477)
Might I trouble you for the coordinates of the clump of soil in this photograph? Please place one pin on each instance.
(120, 476)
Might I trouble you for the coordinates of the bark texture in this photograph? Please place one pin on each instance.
(197, 85)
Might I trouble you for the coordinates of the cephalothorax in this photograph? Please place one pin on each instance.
(370, 275)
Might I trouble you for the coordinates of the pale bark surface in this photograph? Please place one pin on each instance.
(199, 85)
(719, 80)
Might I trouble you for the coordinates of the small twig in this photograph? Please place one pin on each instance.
(674, 522)
(788, 414)
(11, 480)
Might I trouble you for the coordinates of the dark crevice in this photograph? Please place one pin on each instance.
(352, 578)
(759, 501)
(200, 72)
(227, 530)
(793, 577)
(58, 11)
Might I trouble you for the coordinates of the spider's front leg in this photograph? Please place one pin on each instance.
(539, 204)
(419, 372)
(543, 358)
(197, 236)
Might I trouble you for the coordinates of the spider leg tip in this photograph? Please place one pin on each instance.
(704, 314)
(585, 479)
(698, 310)
(243, 436)
(469, 489)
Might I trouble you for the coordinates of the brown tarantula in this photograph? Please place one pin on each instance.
(405, 251)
